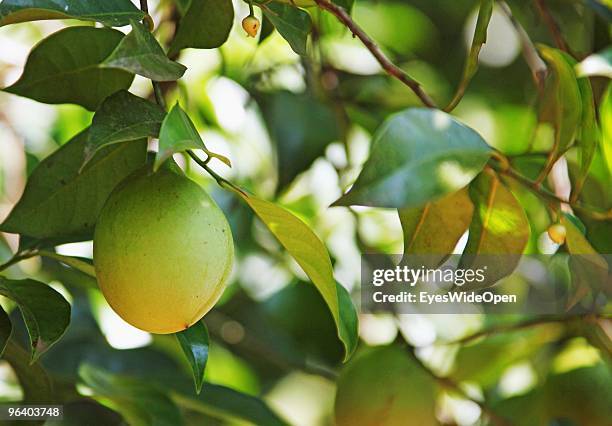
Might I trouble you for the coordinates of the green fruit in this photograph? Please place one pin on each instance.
(557, 233)
(163, 251)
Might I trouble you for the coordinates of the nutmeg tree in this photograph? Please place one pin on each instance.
(281, 138)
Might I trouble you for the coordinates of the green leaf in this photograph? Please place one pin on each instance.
(435, 228)
(45, 312)
(177, 134)
(292, 23)
(81, 264)
(122, 117)
(562, 105)
(301, 128)
(139, 402)
(139, 53)
(597, 64)
(310, 253)
(471, 64)
(64, 68)
(5, 329)
(385, 386)
(418, 155)
(112, 13)
(195, 343)
(499, 227)
(86, 412)
(36, 385)
(205, 25)
(605, 117)
(62, 204)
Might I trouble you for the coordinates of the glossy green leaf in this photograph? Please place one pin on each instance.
(45, 312)
(471, 64)
(499, 227)
(5, 329)
(139, 53)
(139, 402)
(562, 105)
(64, 68)
(195, 343)
(418, 155)
(122, 117)
(301, 127)
(435, 228)
(113, 13)
(597, 64)
(177, 134)
(385, 386)
(205, 25)
(292, 23)
(605, 117)
(310, 253)
(62, 204)
(36, 385)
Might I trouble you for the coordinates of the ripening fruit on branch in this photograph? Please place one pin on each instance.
(557, 233)
(163, 251)
(251, 25)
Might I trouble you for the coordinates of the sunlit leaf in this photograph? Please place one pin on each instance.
(64, 68)
(292, 23)
(597, 64)
(113, 13)
(122, 117)
(480, 38)
(36, 385)
(177, 134)
(435, 228)
(605, 116)
(205, 25)
(139, 402)
(418, 155)
(499, 227)
(385, 386)
(62, 204)
(195, 343)
(139, 53)
(45, 312)
(310, 253)
(5, 329)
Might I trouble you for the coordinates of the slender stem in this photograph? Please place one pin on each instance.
(144, 6)
(18, 257)
(222, 182)
(552, 25)
(392, 69)
(159, 95)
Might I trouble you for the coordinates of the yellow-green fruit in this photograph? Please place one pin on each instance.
(251, 25)
(557, 233)
(163, 251)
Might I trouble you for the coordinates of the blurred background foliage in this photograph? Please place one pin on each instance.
(298, 129)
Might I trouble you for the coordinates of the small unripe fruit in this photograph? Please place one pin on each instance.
(557, 233)
(163, 251)
(251, 25)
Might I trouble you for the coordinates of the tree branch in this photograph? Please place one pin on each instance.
(391, 69)
(552, 25)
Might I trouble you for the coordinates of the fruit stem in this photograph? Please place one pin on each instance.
(18, 257)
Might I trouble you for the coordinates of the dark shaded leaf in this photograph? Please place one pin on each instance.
(139, 53)
(122, 117)
(418, 155)
(267, 28)
(45, 312)
(302, 128)
(138, 402)
(177, 134)
(36, 385)
(113, 13)
(310, 253)
(64, 68)
(62, 204)
(205, 25)
(385, 386)
(195, 343)
(5, 329)
(499, 227)
(87, 412)
(435, 228)
(292, 23)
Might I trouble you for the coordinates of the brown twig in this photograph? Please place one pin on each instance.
(552, 25)
(392, 69)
